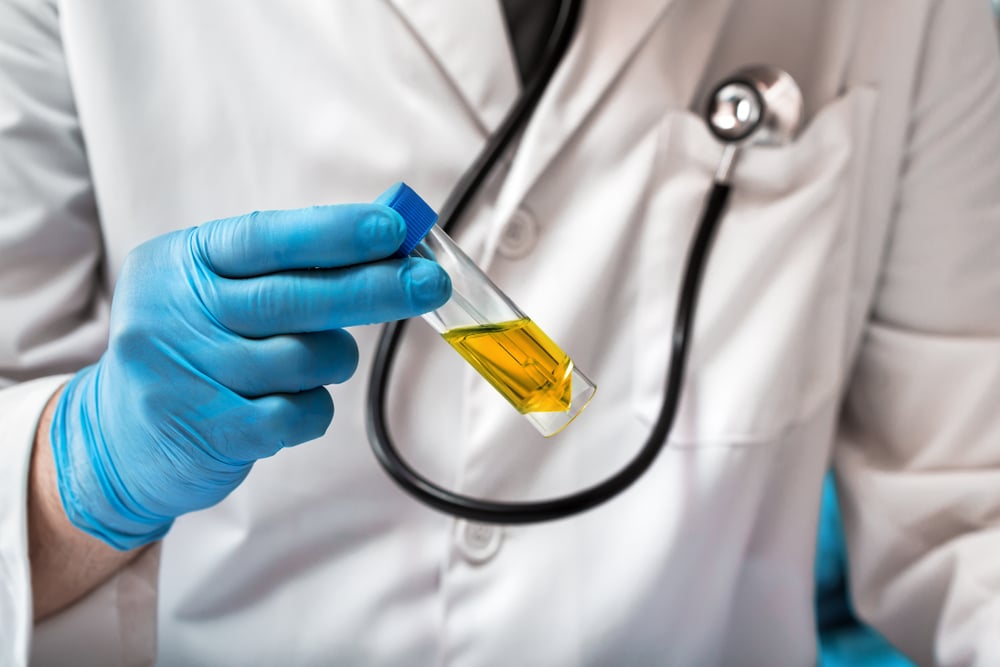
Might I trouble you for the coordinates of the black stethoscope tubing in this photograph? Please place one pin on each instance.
(478, 509)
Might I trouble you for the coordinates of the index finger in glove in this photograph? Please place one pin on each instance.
(266, 242)
(303, 301)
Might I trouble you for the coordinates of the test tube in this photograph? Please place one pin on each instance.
(484, 326)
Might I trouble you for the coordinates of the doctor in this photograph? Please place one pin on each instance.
(155, 363)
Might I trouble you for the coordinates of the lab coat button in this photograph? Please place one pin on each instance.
(478, 542)
(520, 236)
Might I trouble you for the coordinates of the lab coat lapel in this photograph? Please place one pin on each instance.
(609, 35)
(468, 40)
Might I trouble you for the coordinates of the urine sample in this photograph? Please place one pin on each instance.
(520, 361)
(484, 326)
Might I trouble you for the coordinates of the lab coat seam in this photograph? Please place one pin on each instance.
(851, 329)
(851, 49)
(750, 441)
(77, 114)
(894, 204)
(889, 327)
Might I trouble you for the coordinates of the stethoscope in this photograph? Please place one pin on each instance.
(759, 106)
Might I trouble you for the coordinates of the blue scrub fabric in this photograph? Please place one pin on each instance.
(844, 641)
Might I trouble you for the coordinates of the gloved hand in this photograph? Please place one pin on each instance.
(222, 337)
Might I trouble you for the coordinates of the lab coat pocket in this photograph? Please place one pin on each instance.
(770, 336)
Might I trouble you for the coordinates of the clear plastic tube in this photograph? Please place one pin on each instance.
(483, 325)
(507, 348)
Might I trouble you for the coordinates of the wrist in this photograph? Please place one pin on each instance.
(66, 563)
(93, 495)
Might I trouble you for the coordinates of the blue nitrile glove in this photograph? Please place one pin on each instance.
(844, 641)
(222, 337)
(832, 609)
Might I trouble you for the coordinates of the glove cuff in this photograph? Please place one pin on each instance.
(92, 493)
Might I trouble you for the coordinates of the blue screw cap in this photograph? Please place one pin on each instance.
(417, 214)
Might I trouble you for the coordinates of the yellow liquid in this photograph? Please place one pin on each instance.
(517, 358)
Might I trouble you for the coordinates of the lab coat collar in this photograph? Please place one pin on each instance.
(468, 41)
(608, 35)
(607, 39)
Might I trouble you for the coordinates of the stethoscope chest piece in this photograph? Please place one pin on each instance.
(761, 103)
(758, 105)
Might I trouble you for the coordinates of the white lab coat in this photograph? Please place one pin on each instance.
(851, 309)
